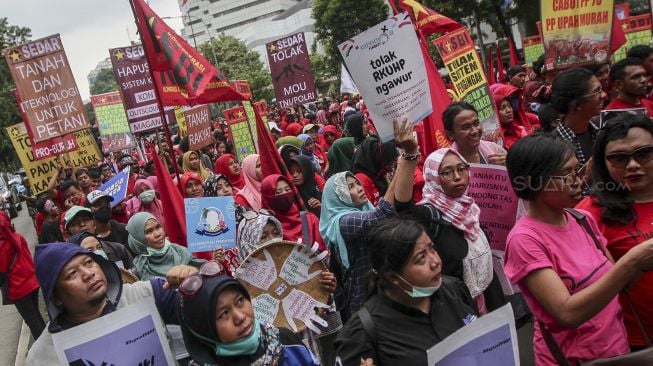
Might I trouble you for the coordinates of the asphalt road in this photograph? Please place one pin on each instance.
(10, 320)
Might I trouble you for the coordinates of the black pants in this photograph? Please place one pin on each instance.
(28, 307)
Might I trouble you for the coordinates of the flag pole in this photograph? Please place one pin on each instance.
(166, 129)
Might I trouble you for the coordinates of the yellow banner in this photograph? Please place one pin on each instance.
(576, 32)
(181, 121)
(38, 171)
(87, 153)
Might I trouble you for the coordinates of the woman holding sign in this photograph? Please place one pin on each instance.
(557, 257)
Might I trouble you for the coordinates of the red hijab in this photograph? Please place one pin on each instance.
(294, 129)
(185, 178)
(290, 220)
(322, 138)
(222, 167)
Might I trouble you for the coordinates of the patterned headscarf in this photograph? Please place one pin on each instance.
(249, 233)
(462, 212)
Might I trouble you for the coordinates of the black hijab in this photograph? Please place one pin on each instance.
(373, 158)
(309, 189)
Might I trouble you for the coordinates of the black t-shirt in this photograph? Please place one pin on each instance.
(50, 233)
(118, 235)
(404, 333)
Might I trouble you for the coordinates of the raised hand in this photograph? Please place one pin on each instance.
(301, 306)
(259, 273)
(295, 267)
(404, 136)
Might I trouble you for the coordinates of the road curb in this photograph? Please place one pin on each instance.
(23, 344)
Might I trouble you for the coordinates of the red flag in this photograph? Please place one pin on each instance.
(514, 57)
(618, 37)
(501, 76)
(172, 201)
(425, 20)
(440, 99)
(491, 76)
(181, 74)
(271, 161)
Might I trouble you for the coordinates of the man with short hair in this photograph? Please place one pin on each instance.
(517, 76)
(50, 230)
(80, 286)
(73, 194)
(630, 80)
(83, 180)
(106, 228)
(644, 53)
(107, 172)
(78, 219)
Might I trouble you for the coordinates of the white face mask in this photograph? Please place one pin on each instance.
(147, 196)
(101, 253)
(420, 292)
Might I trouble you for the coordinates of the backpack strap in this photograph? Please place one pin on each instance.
(582, 221)
(369, 328)
(305, 234)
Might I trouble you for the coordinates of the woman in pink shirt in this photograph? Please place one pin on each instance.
(569, 282)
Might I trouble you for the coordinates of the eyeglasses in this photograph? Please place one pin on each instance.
(597, 91)
(568, 179)
(193, 283)
(448, 174)
(641, 155)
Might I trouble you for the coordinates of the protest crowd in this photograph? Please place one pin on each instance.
(406, 239)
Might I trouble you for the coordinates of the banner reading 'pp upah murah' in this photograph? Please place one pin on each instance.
(49, 97)
(291, 71)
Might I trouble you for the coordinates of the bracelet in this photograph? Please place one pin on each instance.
(411, 157)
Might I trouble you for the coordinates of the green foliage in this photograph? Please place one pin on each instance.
(10, 35)
(338, 20)
(105, 82)
(238, 63)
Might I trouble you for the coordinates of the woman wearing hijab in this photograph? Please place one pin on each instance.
(294, 129)
(191, 162)
(304, 178)
(512, 121)
(255, 230)
(110, 251)
(227, 164)
(250, 195)
(347, 215)
(329, 136)
(372, 161)
(278, 197)
(155, 255)
(192, 185)
(145, 200)
(459, 240)
(217, 185)
(308, 150)
(341, 156)
(356, 126)
(288, 152)
(219, 326)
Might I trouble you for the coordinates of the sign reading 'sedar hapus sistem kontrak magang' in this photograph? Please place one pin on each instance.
(50, 99)
(290, 67)
(136, 87)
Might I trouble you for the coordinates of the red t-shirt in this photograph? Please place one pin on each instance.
(371, 191)
(620, 104)
(622, 238)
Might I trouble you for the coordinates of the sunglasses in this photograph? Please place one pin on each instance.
(192, 284)
(641, 155)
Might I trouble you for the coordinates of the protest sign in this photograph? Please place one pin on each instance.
(251, 119)
(136, 87)
(490, 340)
(49, 96)
(132, 335)
(383, 63)
(533, 48)
(87, 153)
(39, 172)
(638, 32)
(576, 33)
(116, 187)
(240, 132)
(112, 122)
(211, 223)
(198, 124)
(285, 276)
(459, 55)
(290, 67)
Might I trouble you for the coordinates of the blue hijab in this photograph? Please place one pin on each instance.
(336, 203)
(309, 154)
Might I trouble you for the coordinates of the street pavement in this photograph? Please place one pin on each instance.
(10, 320)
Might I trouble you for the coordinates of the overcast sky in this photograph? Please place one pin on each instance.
(88, 28)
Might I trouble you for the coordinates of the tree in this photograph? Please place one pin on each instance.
(238, 63)
(105, 82)
(338, 20)
(10, 35)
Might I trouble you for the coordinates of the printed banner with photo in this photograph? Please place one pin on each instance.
(49, 96)
(112, 122)
(383, 63)
(197, 121)
(459, 55)
(116, 187)
(211, 223)
(490, 340)
(608, 114)
(283, 280)
(136, 87)
(240, 132)
(133, 335)
(576, 33)
(290, 67)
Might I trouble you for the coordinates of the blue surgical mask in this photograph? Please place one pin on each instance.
(419, 292)
(160, 251)
(245, 346)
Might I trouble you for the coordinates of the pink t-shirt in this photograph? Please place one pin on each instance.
(572, 254)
